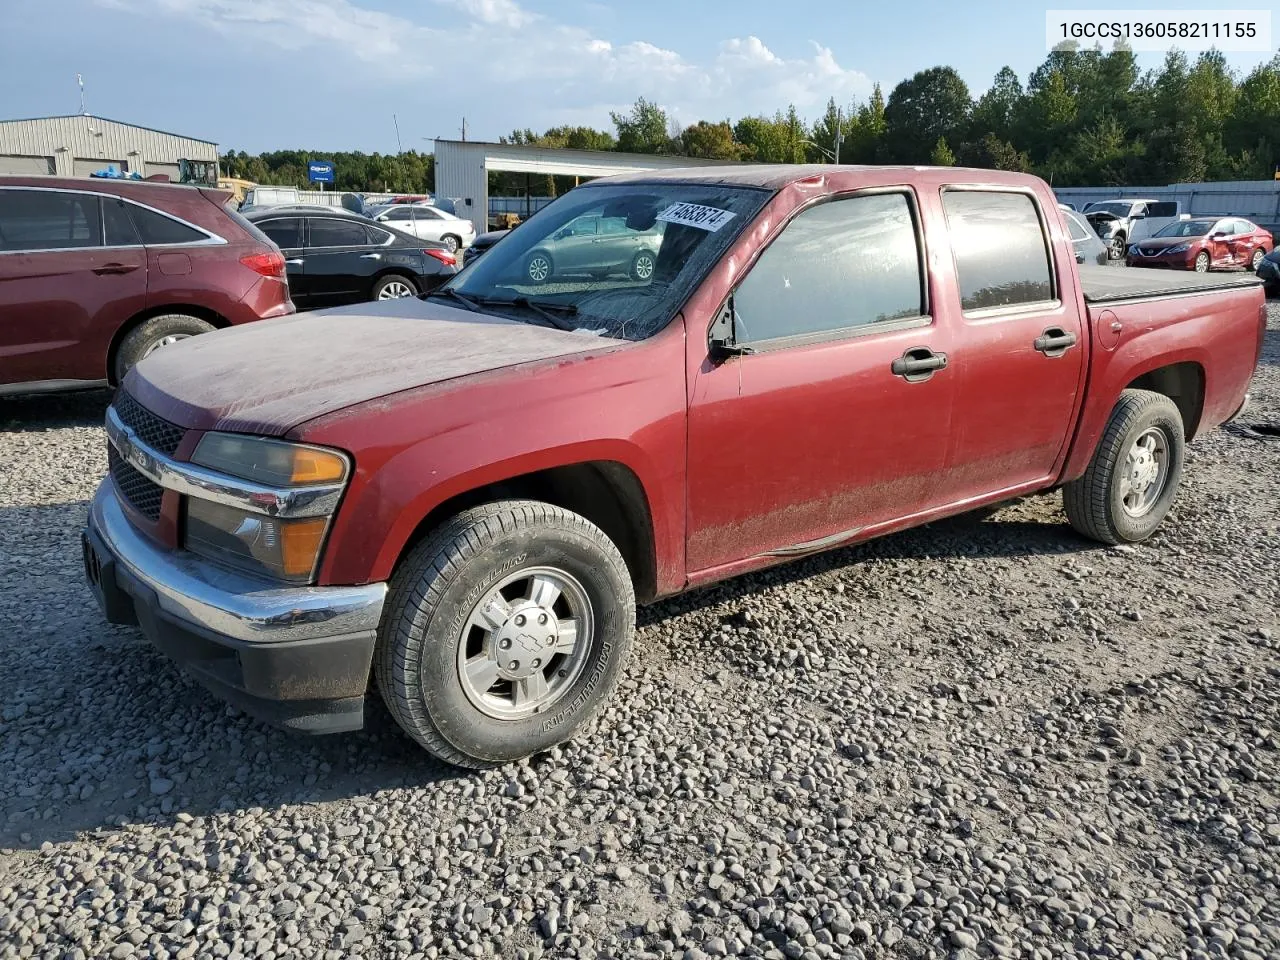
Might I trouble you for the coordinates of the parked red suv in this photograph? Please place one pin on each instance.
(96, 274)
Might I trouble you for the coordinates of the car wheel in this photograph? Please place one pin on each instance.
(394, 286)
(1256, 262)
(1133, 477)
(1117, 247)
(538, 267)
(451, 241)
(504, 632)
(642, 266)
(153, 334)
(1202, 262)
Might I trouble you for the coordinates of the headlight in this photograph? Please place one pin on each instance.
(274, 463)
(1180, 248)
(254, 542)
(282, 548)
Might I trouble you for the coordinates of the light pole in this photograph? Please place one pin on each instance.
(821, 149)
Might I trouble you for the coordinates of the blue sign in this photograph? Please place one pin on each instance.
(320, 171)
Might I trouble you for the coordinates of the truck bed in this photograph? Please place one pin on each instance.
(1109, 284)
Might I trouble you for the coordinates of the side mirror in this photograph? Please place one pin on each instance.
(1138, 216)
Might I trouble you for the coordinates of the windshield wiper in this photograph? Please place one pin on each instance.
(454, 294)
(548, 309)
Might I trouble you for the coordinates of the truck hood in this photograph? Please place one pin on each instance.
(267, 377)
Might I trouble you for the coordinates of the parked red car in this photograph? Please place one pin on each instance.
(97, 274)
(465, 496)
(1203, 244)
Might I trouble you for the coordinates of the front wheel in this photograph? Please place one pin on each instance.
(538, 267)
(1133, 477)
(1256, 262)
(504, 633)
(1202, 262)
(1117, 248)
(642, 266)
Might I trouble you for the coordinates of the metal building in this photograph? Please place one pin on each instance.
(462, 169)
(76, 146)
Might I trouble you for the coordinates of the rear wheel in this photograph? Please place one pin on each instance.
(452, 241)
(504, 633)
(1256, 261)
(153, 334)
(1133, 477)
(1202, 262)
(394, 286)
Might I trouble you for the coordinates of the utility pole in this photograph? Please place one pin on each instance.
(80, 82)
(839, 132)
(399, 147)
(464, 129)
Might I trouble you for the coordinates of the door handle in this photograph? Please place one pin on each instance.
(115, 268)
(370, 256)
(294, 263)
(1055, 341)
(918, 364)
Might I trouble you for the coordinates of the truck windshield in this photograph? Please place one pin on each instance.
(613, 259)
(1115, 208)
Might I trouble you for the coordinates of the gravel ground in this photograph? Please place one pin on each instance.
(984, 738)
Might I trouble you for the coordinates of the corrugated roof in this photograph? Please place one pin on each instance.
(123, 123)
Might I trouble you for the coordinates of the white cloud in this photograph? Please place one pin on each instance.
(524, 69)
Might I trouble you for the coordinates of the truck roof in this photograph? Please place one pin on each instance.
(774, 176)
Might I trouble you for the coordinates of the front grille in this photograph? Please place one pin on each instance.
(143, 495)
(152, 431)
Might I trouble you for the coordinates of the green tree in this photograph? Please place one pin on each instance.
(643, 130)
(995, 111)
(930, 106)
(1252, 132)
(941, 156)
(711, 141)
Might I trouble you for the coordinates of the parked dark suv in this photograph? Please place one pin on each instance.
(97, 274)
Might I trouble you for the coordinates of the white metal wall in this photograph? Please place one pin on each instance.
(462, 169)
(1256, 200)
(97, 142)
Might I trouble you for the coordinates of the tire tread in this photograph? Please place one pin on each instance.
(415, 592)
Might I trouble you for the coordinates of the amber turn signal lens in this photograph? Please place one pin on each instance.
(299, 544)
(316, 466)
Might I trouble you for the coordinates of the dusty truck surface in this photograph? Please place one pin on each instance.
(458, 501)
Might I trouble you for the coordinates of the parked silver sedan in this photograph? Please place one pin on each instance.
(595, 245)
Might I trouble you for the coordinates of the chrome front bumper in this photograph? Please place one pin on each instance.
(295, 656)
(228, 603)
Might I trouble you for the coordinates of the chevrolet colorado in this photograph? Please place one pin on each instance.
(460, 499)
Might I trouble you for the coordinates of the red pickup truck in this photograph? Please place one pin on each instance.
(463, 497)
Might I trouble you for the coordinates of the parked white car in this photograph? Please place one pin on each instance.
(427, 223)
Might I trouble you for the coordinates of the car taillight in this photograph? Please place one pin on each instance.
(444, 256)
(268, 264)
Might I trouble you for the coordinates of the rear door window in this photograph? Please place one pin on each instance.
(1162, 208)
(337, 233)
(158, 230)
(1001, 254)
(285, 232)
(116, 225)
(48, 220)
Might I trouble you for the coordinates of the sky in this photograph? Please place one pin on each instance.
(260, 75)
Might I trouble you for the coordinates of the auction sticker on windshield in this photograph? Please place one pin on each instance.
(710, 219)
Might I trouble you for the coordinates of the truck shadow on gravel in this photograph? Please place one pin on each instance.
(971, 535)
(53, 411)
(99, 730)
